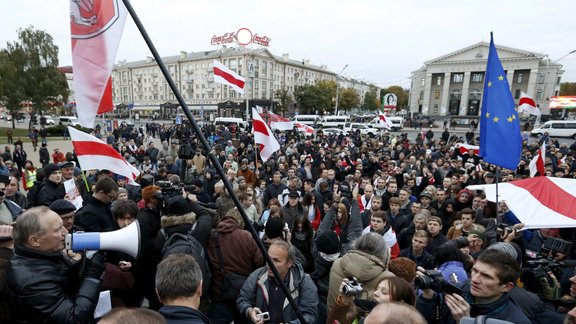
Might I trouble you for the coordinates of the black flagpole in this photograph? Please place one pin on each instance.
(211, 155)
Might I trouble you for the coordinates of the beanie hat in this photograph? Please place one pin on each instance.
(149, 192)
(62, 206)
(177, 206)
(274, 228)
(328, 243)
(50, 168)
(509, 248)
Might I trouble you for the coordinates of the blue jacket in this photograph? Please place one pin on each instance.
(182, 314)
(254, 293)
(14, 209)
(456, 267)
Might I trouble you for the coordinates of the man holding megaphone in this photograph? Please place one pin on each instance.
(46, 287)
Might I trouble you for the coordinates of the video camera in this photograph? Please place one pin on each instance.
(539, 265)
(433, 279)
(352, 288)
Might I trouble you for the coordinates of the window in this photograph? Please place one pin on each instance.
(422, 82)
(421, 95)
(517, 94)
(457, 77)
(541, 78)
(519, 78)
(438, 81)
(477, 77)
(558, 80)
(437, 94)
(539, 95)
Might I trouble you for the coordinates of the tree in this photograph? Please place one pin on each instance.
(285, 99)
(371, 101)
(31, 66)
(568, 89)
(348, 99)
(316, 97)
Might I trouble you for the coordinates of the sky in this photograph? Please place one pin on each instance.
(381, 41)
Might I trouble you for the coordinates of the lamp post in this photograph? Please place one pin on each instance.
(545, 77)
(337, 90)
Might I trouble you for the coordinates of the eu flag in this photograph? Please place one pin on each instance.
(500, 137)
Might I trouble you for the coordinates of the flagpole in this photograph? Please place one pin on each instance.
(499, 219)
(212, 156)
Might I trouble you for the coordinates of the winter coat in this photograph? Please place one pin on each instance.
(254, 293)
(390, 237)
(240, 254)
(368, 269)
(182, 314)
(347, 232)
(48, 193)
(48, 290)
(95, 216)
(182, 224)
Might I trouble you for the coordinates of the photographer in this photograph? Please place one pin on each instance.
(389, 289)
(47, 289)
(493, 276)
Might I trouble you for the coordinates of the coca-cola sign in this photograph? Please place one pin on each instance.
(243, 37)
(224, 39)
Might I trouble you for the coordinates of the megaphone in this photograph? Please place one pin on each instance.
(126, 240)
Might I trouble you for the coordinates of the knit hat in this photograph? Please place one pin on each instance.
(149, 192)
(50, 168)
(328, 243)
(274, 228)
(177, 206)
(62, 206)
(240, 179)
(509, 248)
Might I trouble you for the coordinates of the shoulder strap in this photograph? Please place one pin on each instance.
(215, 237)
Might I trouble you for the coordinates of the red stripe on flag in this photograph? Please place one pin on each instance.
(106, 103)
(549, 195)
(228, 77)
(259, 127)
(527, 100)
(94, 148)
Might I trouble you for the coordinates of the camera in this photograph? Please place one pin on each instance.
(503, 227)
(264, 316)
(432, 279)
(352, 288)
(345, 191)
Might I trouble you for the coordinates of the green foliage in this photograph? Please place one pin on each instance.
(285, 99)
(29, 70)
(316, 97)
(371, 100)
(348, 99)
(568, 89)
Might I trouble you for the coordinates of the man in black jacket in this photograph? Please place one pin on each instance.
(52, 188)
(95, 215)
(46, 287)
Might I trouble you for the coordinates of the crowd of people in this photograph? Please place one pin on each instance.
(379, 229)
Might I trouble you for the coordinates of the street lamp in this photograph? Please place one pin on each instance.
(337, 95)
(546, 76)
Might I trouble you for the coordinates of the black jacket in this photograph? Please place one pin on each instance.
(181, 314)
(48, 290)
(95, 216)
(48, 193)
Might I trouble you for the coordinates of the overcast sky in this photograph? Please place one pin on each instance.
(382, 41)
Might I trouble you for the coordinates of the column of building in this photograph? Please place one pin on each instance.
(427, 93)
(464, 98)
(445, 94)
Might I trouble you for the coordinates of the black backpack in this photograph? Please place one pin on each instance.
(179, 243)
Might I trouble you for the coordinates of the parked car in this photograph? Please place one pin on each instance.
(69, 121)
(331, 131)
(363, 128)
(125, 122)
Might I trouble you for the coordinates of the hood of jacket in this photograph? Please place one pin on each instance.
(172, 220)
(360, 265)
(228, 224)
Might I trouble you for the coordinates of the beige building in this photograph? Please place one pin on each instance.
(452, 84)
(142, 84)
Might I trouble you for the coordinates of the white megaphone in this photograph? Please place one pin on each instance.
(126, 240)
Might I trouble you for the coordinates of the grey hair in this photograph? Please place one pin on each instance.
(286, 247)
(178, 275)
(420, 217)
(29, 223)
(373, 244)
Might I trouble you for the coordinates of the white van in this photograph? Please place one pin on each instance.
(557, 128)
(335, 121)
(310, 120)
(397, 123)
(69, 121)
(226, 121)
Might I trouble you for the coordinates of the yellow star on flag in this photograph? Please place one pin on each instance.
(487, 115)
(489, 83)
(513, 116)
(495, 119)
(500, 78)
(510, 119)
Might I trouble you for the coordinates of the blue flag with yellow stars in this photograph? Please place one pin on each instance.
(500, 137)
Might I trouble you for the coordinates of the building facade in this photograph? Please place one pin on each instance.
(451, 85)
(142, 86)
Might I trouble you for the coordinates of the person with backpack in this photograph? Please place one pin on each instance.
(233, 255)
(185, 230)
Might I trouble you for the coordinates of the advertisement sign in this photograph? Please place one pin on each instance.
(390, 101)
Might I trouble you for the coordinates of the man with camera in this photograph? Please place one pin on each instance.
(261, 298)
(493, 275)
(46, 287)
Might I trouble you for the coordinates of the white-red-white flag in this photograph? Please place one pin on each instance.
(303, 128)
(278, 122)
(263, 136)
(96, 28)
(528, 104)
(537, 162)
(384, 121)
(465, 148)
(94, 154)
(224, 75)
(540, 202)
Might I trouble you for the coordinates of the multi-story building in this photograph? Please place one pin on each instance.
(141, 85)
(452, 84)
